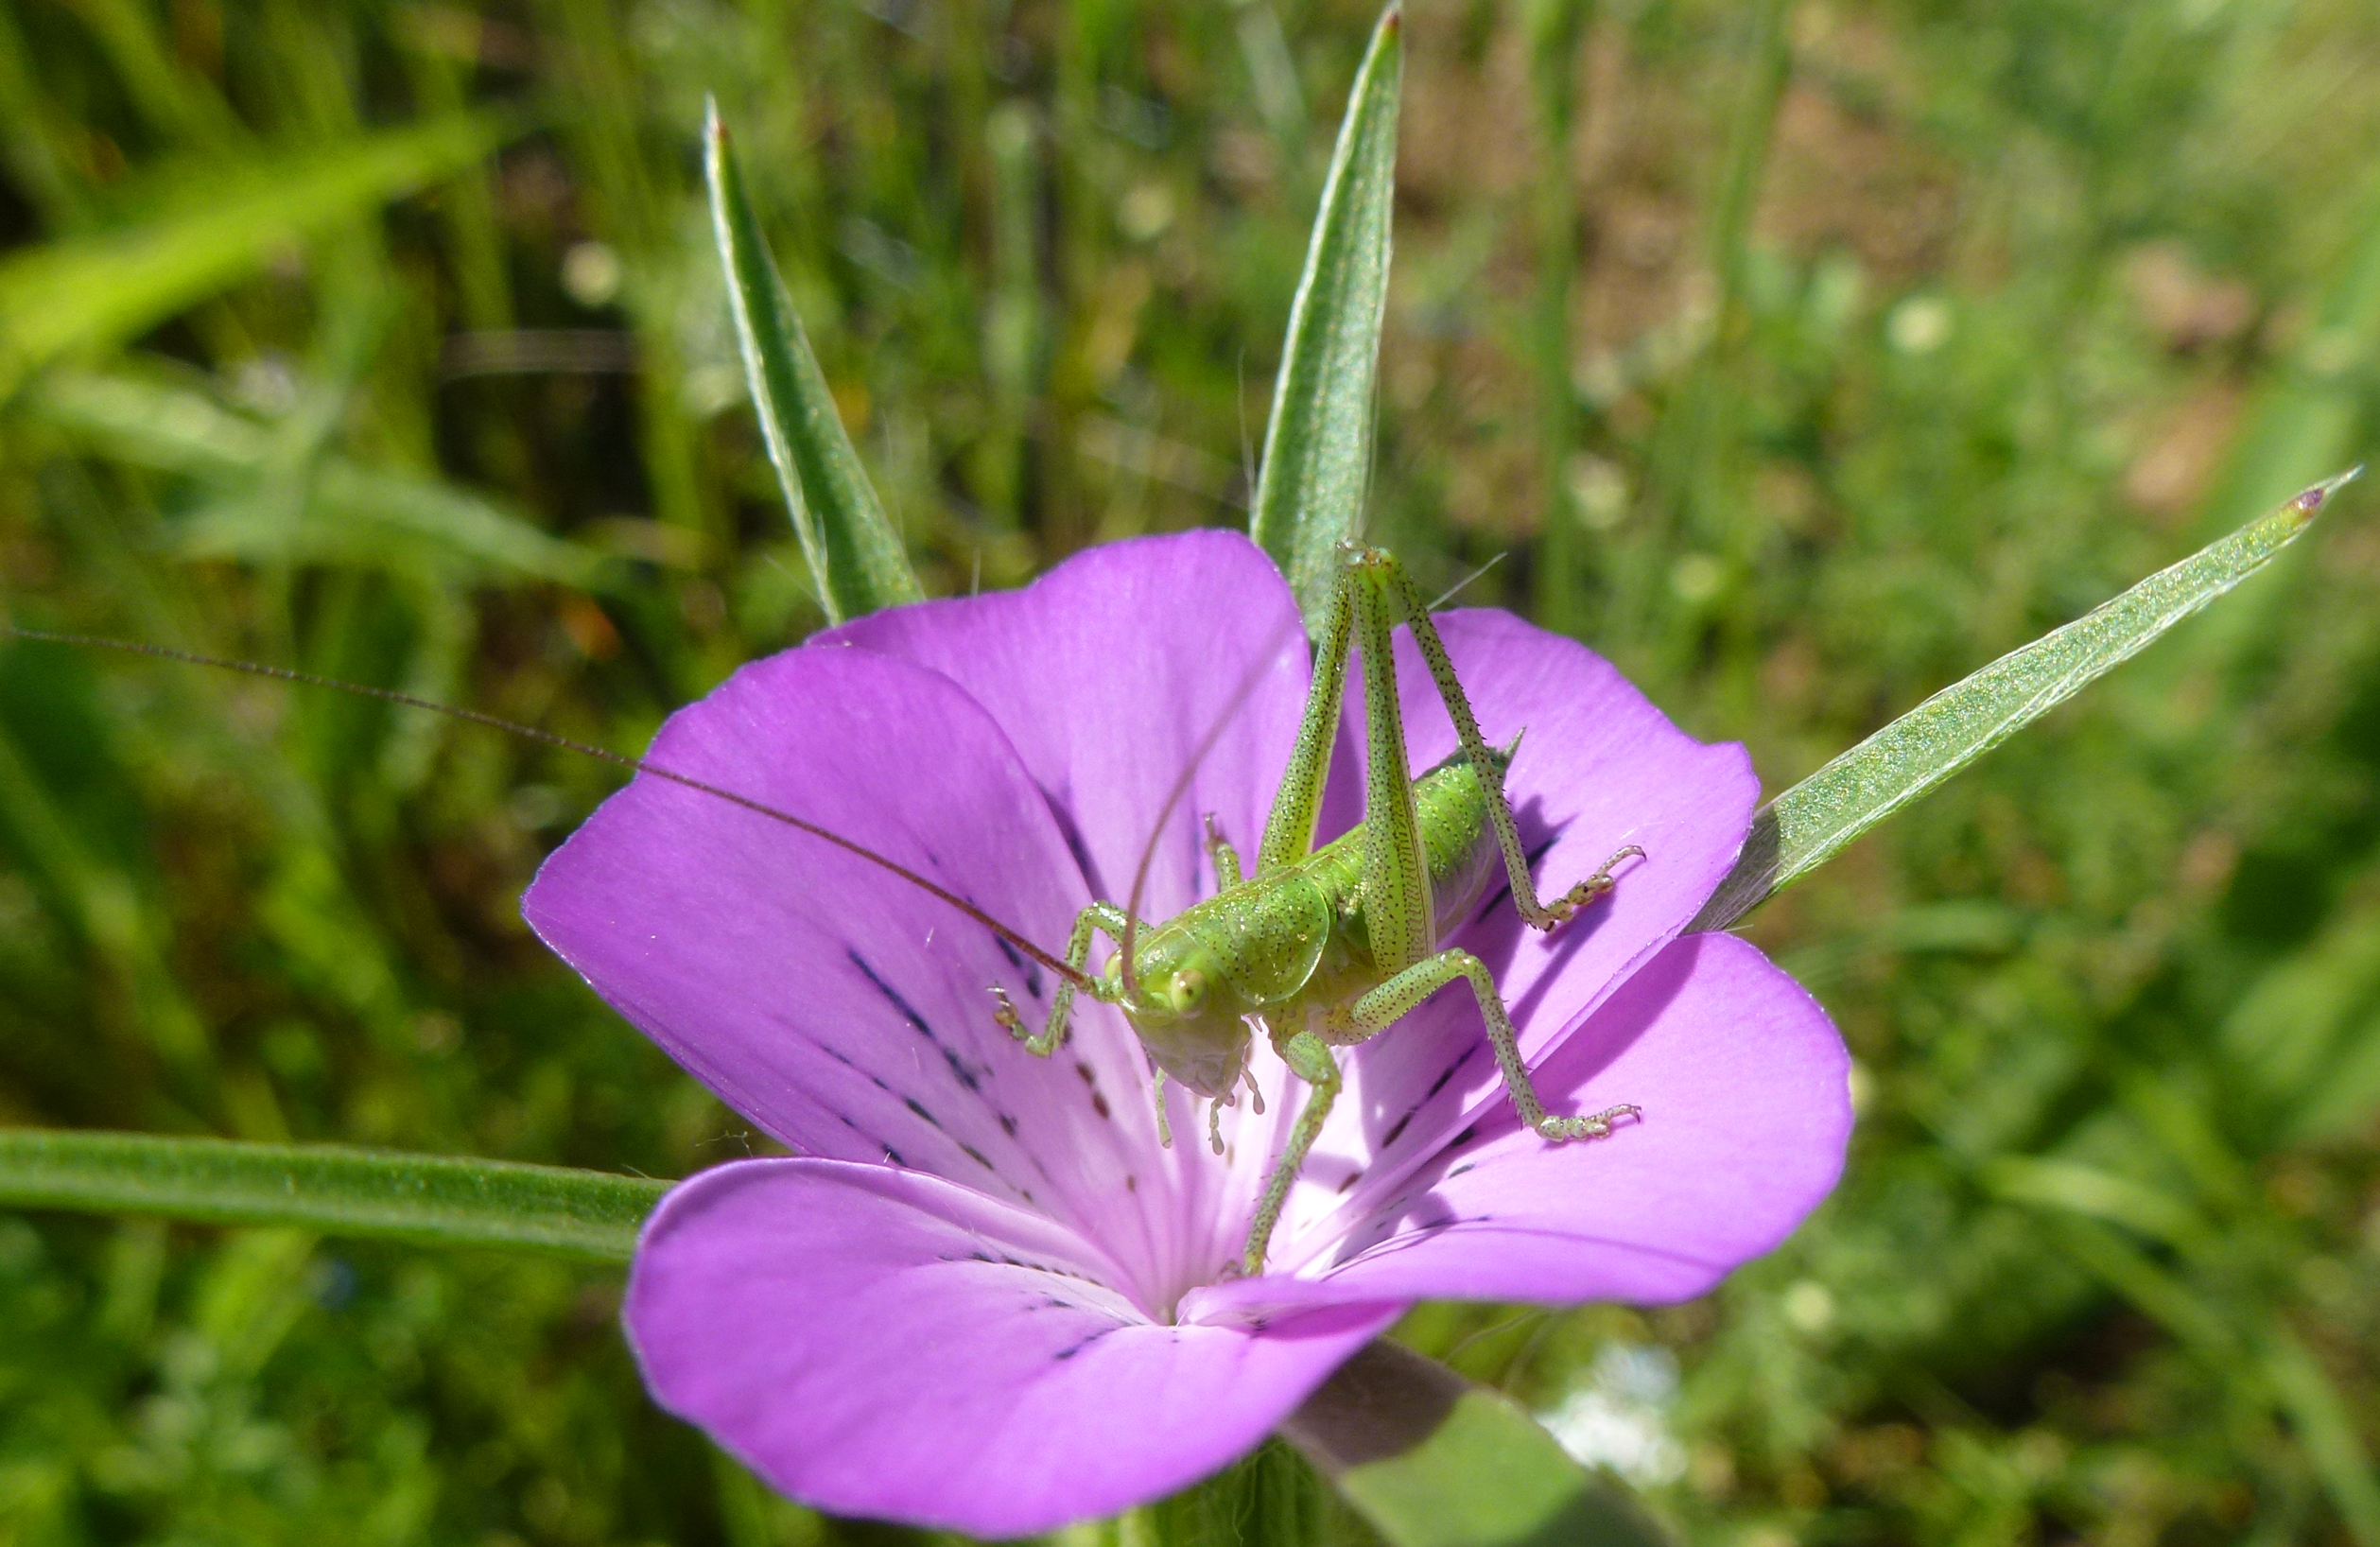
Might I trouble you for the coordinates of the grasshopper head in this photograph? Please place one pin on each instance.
(1184, 1011)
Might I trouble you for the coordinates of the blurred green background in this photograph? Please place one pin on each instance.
(1799, 356)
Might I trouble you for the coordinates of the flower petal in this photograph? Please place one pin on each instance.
(1109, 672)
(838, 1006)
(1599, 767)
(884, 1344)
(1746, 1113)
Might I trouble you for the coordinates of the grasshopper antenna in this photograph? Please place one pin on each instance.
(1464, 585)
(586, 748)
(1240, 695)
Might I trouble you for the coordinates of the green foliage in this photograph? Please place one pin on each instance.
(430, 1200)
(1317, 465)
(855, 557)
(1814, 821)
(1898, 334)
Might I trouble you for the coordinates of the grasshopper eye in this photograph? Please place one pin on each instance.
(1188, 988)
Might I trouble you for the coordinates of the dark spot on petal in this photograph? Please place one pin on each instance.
(1016, 958)
(967, 1073)
(919, 1108)
(1439, 1083)
(977, 1155)
(1353, 1177)
(1098, 1104)
(1008, 1124)
(1468, 1165)
(1464, 1136)
(1132, 1182)
(1396, 1129)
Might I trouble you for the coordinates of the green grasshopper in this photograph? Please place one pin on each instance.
(1324, 947)
(1329, 947)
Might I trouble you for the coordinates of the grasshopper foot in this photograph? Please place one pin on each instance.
(1562, 1130)
(1040, 1047)
(1565, 908)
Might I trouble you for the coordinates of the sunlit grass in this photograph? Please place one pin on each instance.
(1896, 334)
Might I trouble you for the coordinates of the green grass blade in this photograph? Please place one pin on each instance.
(355, 510)
(1430, 1460)
(96, 291)
(434, 1200)
(2325, 1422)
(1318, 443)
(1810, 823)
(2078, 1188)
(855, 556)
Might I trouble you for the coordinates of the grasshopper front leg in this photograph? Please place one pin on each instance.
(1099, 915)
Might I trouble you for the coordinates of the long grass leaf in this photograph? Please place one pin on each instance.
(855, 556)
(2325, 1422)
(1810, 823)
(1318, 443)
(430, 1199)
(95, 292)
(2097, 1193)
(353, 513)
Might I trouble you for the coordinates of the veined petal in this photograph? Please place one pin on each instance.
(885, 1344)
(840, 1007)
(1109, 673)
(1746, 1113)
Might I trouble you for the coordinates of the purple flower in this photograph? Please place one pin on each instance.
(982, 1296)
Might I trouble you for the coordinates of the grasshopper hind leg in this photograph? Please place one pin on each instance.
(1543, 915)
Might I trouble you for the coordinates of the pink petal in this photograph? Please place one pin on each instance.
(1747, 1112)
(836, 1005)
(1108, 673)
(884, 1344)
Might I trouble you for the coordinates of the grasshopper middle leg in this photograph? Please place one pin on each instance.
(1377, 1010)
(1311, 1059)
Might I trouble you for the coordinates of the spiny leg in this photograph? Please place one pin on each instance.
(1309, 1058)
(1400, 915)
(1099, 915)
(1380, 1008)
(1541, 915)
(1225, 858)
